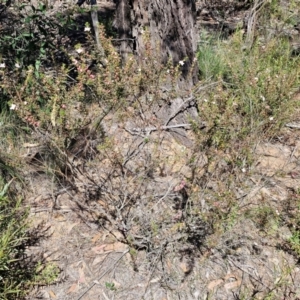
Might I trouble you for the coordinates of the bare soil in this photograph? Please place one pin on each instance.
(251, 259)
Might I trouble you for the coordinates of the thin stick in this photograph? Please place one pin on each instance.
(291, 157)
(187, 100)
(108, 270)
(259, 280)
(179, 109)
(164, 196)
(258, 5)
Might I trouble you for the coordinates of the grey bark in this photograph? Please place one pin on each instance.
(94, 15)
(170, 22)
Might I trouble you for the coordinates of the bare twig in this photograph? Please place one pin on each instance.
(258, 5)
(164, 196)
(104, 295)
(292, 154)
(133, 152)
(162, 248)
(107, 271)
(124, 39)
(259, 279)
(186, 101)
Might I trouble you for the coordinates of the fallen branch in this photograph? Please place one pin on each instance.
(148, 130)
(293, 125)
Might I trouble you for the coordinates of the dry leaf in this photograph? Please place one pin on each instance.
(214, 284)
(117, 234)
(81, 276)
(116, 283)
(118, 246)
(109, 247)
(52, 295)
(44, 294)
(169, 264)
(99, 248)
(155, 280)
(28, 145)
(71, 227)
(73, 288)
(96, 237)
(232, 285)
(230, 276)
(102, 203)
(38, 198)
(185, 267)
(97, 260)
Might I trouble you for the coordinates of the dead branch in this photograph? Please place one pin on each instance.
(148, 130)
(290, 125)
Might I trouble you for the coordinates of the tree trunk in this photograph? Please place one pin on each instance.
(171, 27)
(170, 23)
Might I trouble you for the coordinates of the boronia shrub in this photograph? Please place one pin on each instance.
(56, 105)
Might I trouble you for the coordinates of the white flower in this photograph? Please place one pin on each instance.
(271, 118)
(17, 66)
(244, 170)
(168, 71)
(13, 107)
(262, 97)
(88, 29)
(2, 65)
(205, 100)
(181, 62)
(25, 102)
(79, 50)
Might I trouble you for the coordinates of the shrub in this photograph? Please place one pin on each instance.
(255, 95)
